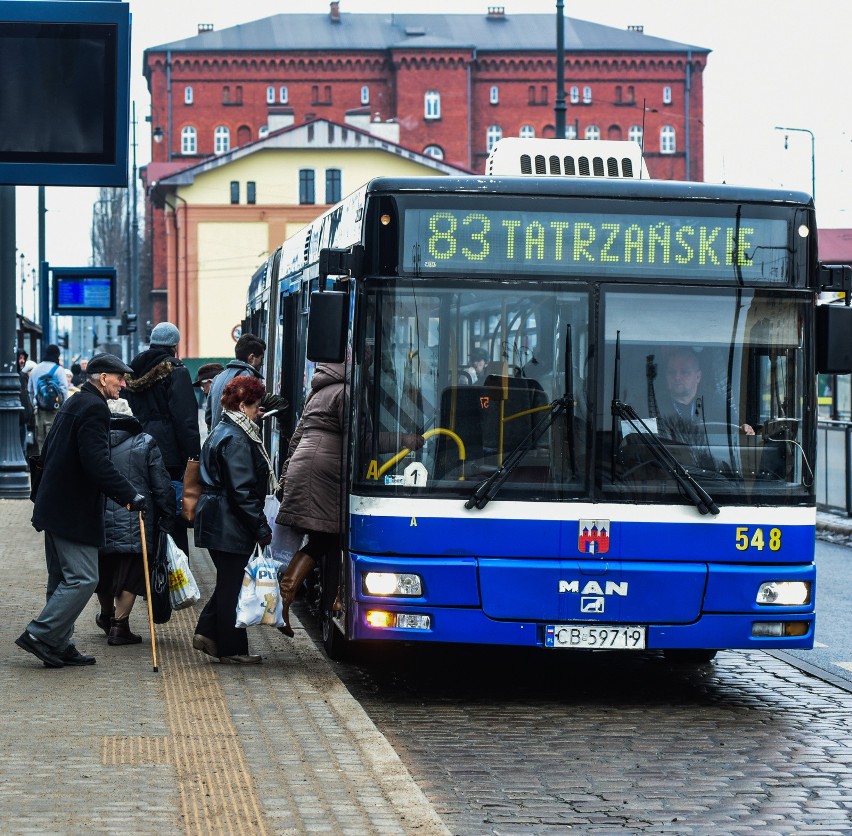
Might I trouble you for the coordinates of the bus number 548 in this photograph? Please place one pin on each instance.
(754, 538)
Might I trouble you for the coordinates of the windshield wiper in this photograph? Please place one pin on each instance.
(663, 456)
(487, 490)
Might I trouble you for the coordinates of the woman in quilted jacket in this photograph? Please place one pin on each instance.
(121, 573)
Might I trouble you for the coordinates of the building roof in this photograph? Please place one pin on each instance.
(835, 246)
(317, 134)
(359, 32)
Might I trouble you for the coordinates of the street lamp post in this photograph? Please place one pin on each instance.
(559, 108)
(813, 154)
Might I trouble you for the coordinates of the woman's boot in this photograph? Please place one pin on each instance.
(300, 567)
(104, 619)
(120, 632)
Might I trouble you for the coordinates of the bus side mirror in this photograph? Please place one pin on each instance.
(833, 339)
(328, 323)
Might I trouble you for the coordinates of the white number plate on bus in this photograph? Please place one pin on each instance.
(595, 636)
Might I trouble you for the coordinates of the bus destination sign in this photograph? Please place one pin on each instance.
(618, 244)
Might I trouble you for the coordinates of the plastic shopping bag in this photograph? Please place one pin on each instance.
(260, 599)
(286, 541)
(183, 590)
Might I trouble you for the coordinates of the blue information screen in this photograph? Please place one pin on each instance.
(84, 294)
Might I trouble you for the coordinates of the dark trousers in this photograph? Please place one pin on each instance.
(219, 616)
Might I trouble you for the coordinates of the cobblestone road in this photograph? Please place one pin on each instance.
(534, 743)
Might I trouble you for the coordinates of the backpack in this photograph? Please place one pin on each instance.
(48, 392)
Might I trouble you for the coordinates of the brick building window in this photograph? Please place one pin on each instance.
(221, 140)
(332, 185)
(283, 94)
(587, 95)
(631, 94)
(365, 99)
(667, 140)
(634, 133)
(575, 95)
(543, 99)
(270, 95)
(493, 135)
(667, 95)
(432, 105)
(618, 94)
(263, 132)
(494, 95)
(570, 132)
(531, 94)
(526, 132)
(593, 132)
(187, 95)
(243, 135)
(188, 140)
(235, 191)
(434, 151)
(251, 192)
(314, 93)
(226, 95)
(307, 194)
(613, 132)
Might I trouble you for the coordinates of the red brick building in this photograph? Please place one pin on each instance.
(447, 86)
(453, 83)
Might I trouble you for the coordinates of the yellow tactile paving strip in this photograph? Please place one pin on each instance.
(216, 793)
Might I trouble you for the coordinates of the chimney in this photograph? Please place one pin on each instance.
(334, 11)
(204, 27)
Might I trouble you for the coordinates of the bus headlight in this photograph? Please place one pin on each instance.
(784, 593)
(400, 620)
(393, 583)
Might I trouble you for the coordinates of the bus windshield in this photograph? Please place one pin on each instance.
(455, 378)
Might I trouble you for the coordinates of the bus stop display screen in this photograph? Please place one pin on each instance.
(84, 294)
(484, 240)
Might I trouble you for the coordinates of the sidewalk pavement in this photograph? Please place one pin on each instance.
(835, 528)
(198, 747)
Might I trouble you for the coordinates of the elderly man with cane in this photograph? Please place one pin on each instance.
(69, 483)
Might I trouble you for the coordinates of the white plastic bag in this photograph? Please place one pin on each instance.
(260, 598)
(286, 541)
(183, 590)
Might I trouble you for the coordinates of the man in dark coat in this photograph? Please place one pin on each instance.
(162, 398)
(248, 360)
(69, 508)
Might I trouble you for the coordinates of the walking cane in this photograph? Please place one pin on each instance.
(148, 590)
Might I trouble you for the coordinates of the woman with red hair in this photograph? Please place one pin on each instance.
(236, 476)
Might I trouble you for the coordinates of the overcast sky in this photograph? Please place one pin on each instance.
(773, 62)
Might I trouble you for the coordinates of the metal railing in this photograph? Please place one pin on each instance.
(834, 466)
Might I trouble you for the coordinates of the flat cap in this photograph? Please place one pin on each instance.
(107, 363)
(207, 372)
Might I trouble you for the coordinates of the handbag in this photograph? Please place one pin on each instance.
(183, 590)
(191, 489)
(259, 601)
(161, 605)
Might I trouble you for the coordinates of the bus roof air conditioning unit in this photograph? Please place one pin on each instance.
(567, 158)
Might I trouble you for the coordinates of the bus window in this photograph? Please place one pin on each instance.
(718, 379)
(419, 343)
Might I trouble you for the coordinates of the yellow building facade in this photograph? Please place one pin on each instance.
(225, 216)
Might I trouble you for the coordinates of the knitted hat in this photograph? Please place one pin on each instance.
(165, 334)
(51, 354)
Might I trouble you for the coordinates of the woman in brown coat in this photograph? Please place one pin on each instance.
(312, 479)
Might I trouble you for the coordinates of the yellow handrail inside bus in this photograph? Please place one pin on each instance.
(426, 436)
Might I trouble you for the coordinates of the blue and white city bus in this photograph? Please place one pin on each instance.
(554, 503)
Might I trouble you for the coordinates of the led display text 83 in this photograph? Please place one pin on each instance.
(487, 241)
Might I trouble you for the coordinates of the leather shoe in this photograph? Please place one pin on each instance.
(241, 659)
(72, 656)
(104, 621)
(205, 645)
(38, 648)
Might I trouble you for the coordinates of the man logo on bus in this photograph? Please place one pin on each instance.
(594, 536)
